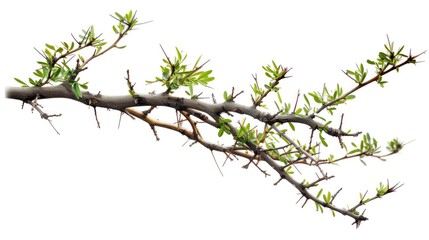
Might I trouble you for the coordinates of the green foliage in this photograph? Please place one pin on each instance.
(23, 84)
(318, 205)
(394, 146)
(363, 199)
(245, 133)
(289, 170)
(76, 87)
(223, 126)
(176, 74)
(275, 73)
(54, 67)
(326, 96)
(327, 198)
(382, 189)
(389, 57)
(126, 23)
(227, 97)
(358, 75)
(312, 105)
(368, 146)
(282, 152)
(322, 139)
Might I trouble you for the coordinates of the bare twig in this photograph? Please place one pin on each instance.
(96, 117)
(217, 165)
(340, 130)
(38, 108)
(296, 102)
(298, 147)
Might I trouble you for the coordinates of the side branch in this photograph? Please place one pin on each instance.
(386, 70)
(188, 133)
(303, 189)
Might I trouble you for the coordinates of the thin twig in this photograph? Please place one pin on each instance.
(96, 117)
(296, 102)
(340, 130)
(120, 118)
(217, 165)
(43, 115)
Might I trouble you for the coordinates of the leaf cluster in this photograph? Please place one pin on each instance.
(55, 66)
(326, 96)
(176, 74)
(275, 74)
(125, 23)
(224, 127)
(368, 146)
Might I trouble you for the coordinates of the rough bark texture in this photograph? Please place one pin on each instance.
(120, 103)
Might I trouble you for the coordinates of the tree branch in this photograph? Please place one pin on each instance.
(126, 101)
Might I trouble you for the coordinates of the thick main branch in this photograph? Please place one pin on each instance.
(126, 101)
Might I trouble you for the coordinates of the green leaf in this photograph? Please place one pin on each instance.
(44, 64)
(76, 90)
(306, 99)
(115, 29)
(361, 68)
(120, 17)
(370, 62)
(65, 45)
(291, 126)
(48, 53)
(350, 72)
(205, 74)
(316, 98)
(128, 16)
(56, 73)
(289, 171)
(382, 56)
(319, 207)
(38, 73)
(274, 64)
(350, 97)
(279, 97)
(191, 90)
(50, 46)
(32, 81)
(220, 133)
(21, 82)
(196, 63)
(322, 139)
(320, 192)
(325, 199)
(81, 58)
(84, 85)
(354, 151)
(179, 54)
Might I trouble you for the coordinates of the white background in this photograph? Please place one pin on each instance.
(90, 183)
